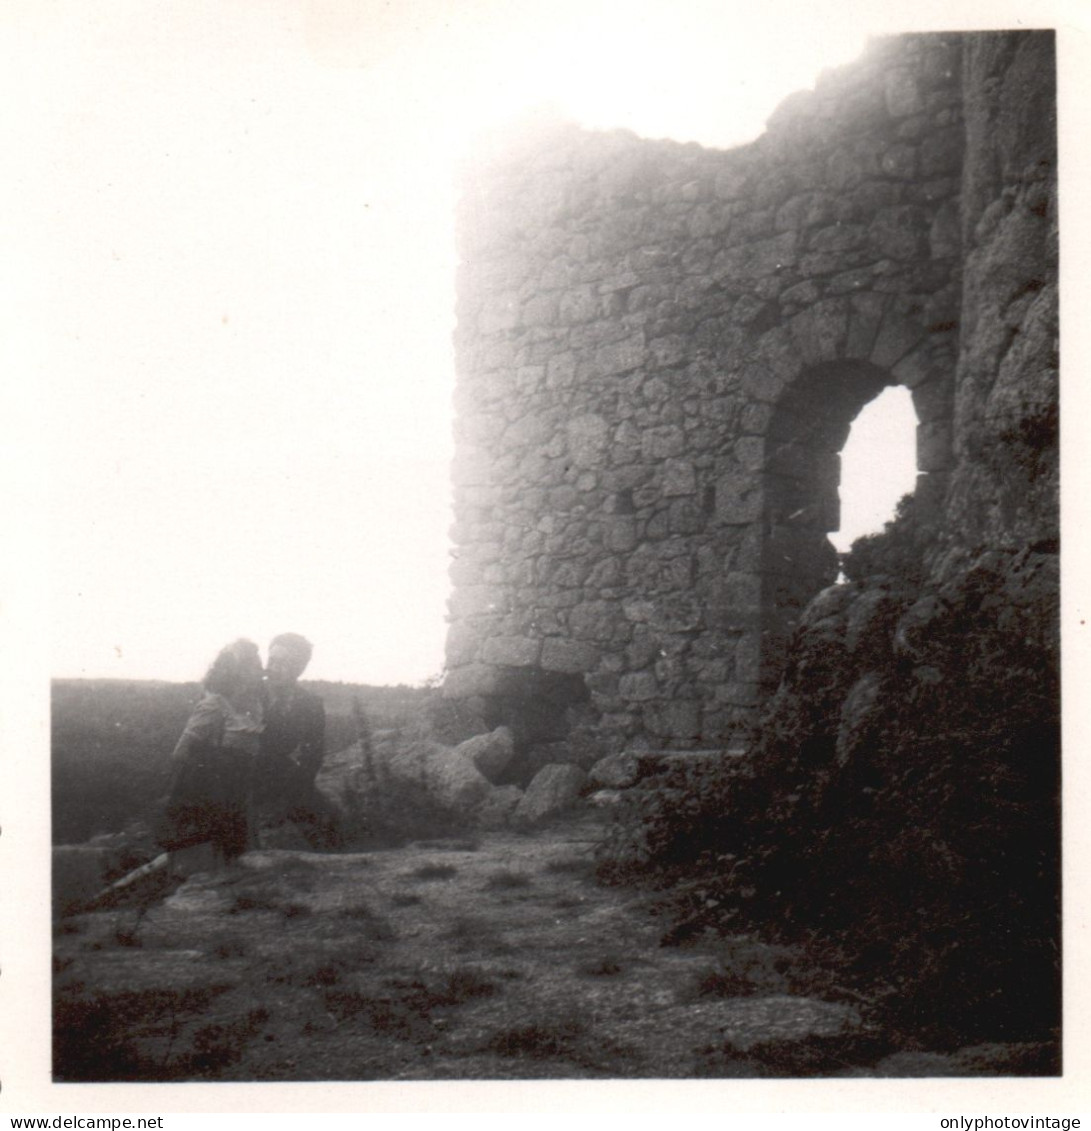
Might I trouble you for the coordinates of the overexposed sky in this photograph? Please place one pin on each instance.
(239, 237)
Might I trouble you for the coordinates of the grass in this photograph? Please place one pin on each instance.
(507, 880)
(132, 1035)
(746, 967)
(570, 865)
(402, 1007)
(605, 966)
(434, 872)
(539, 1040)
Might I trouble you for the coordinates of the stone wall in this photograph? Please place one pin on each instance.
(1005, 490)
(660, 351)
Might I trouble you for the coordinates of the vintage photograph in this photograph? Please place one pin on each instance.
(555, 551)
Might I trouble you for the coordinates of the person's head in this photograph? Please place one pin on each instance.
(235, 670)
(289, 655)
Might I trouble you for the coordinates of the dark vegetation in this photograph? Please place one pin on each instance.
(898, 812)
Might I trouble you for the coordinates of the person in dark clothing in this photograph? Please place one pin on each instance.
(292, 746)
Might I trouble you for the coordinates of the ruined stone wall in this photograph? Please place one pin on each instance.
(1005, 490)
(660, 350)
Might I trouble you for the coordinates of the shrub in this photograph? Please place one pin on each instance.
(928, 850)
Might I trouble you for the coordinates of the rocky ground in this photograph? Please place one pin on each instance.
(496, 957)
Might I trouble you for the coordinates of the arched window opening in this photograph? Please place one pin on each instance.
(878, 465)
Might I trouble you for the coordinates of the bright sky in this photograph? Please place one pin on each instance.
(239, 218)
(878, 464)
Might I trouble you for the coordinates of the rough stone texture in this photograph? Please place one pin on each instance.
(489, 753)
(1005, 485)
(554, 789)
(497, 809)
(454, 781)
(615, 771)
(661, 349)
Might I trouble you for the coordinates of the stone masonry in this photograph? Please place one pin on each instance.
(660, 350)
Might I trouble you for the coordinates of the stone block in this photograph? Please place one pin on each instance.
(901, 232)
(749, 451)
(511, 651)
(897, 336)
(758, 260)
(778, 350)
(490, 753)
(916, 368)
(541, 310)
(588, 436)
(615, 771)
(901, 93)
(571, 656)
(763, 383)
(680, 719)
(941, 152)
(619, 535)
(553, 789)
(594, 620)
(579, 304)
(738, 498)
(900, 161)
(679, 478)
(748, 659)
(934, 446)
(663, 442)
(463, 644)
(455, 782)
(638, 686)
(819, 332)
(686, 516)
(561, 370)
(676, 612)
(471, 680)
(934, 399)
(650, 570)
(616, 357)
(667, 351)
(945, 234)
(497, 316)
(866, 315)
(739, 694)
(838, 237)
(755, 419)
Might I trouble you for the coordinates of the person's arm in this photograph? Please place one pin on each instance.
(205, 725)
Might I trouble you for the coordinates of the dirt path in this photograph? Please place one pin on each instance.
(496, 958)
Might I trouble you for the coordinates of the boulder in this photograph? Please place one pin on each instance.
(489, 753)
(451, 779)
(615, 771)
(496, 811)
(860, 715)
(554, 788)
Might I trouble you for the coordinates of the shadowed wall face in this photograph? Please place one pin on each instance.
(660, 352)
